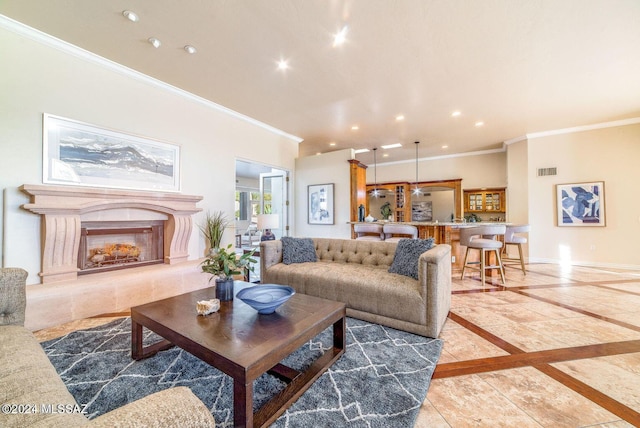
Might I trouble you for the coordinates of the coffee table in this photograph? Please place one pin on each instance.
(244, 344)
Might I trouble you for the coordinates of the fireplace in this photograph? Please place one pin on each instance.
(112, 245)
(70, 216)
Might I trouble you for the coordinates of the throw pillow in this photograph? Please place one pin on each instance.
(298, 250)
(405, 260)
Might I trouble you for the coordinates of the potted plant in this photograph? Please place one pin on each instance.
(222, 265)
(385, 210)
(213, 228)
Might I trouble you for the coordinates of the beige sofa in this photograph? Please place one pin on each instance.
(28, 380)
(356, 273)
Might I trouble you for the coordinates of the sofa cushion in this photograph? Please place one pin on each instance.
(28, 377)
(365, 288)
(298, 250)
(405, 260)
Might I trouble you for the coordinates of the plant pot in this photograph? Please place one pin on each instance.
(224, 289)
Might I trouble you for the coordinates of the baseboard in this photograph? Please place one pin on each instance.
(583, 263)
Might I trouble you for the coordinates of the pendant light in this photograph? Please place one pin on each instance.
(375, 193)
(417, 190)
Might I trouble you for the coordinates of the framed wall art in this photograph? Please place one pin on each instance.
(320, 204)
(581, 204)
(76, 153)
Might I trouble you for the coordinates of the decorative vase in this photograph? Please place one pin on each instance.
(361, 213)
(224, 289)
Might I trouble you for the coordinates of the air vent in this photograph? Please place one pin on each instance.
(547, 171)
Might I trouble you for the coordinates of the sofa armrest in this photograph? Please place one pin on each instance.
(270, 254)
(13, 300)
(434, 276)
(173, 407)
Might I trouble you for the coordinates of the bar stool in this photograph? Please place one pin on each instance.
(483, 238)
(368, 232)
(511, 239)
(405, 230)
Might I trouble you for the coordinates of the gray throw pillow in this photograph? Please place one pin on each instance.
(298, 250)
(405, 260)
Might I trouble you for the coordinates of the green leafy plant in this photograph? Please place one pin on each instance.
(224, 263)
(213, 228)
(385, 210)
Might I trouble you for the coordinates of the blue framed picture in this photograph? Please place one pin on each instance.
(581, 204)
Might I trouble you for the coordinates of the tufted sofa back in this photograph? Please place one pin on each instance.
(368, 253)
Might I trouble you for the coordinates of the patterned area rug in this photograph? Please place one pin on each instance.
(380, 381)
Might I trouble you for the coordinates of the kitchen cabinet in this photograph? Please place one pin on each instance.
(484, 201)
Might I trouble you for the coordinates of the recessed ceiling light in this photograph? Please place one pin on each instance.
(318, 154)
(190, 49)
(392, 146)
(479, 123)
(283, 65)
(355, 127)
(399, 118)
(155, 42)
(360, 151)
(386, 155)
(340, 37)
(131, 16)
(445, 147)
(332, 144)
(456, 113)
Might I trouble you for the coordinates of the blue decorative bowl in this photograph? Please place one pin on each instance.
(266, 298)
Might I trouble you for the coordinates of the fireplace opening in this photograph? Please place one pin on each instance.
(109, 245)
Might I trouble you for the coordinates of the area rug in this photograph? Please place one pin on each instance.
(380, 381)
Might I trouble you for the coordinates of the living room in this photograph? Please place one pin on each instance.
(41, 74)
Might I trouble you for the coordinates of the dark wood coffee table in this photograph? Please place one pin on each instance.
(244, 344)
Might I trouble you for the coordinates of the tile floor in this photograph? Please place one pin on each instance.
(559, 347)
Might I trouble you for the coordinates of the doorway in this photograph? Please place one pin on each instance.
(260, 189)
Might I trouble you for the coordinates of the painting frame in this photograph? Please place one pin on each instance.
(581, 204)
(320, 204)
(81, 154)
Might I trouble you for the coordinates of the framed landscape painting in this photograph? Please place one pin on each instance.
(320, 203)
(581, 204)
(76, 153)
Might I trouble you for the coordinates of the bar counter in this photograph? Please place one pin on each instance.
(442, 233)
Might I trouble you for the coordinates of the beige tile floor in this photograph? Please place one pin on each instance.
(549, 313)
(515, 356)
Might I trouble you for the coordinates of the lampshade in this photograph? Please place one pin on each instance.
(268, 221)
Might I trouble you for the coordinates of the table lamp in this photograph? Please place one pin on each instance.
(266, 222)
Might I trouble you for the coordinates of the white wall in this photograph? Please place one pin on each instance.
(40, 76)
(332, 167)
(610, 155)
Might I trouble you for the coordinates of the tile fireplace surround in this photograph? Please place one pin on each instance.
(63, 296)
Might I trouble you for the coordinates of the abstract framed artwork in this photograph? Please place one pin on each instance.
(581, 204)
(77, 153)
(320, 205)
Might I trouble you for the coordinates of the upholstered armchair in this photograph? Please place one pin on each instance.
(13, 300)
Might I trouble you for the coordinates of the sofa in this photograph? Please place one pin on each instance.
(356, 273)
(29, 380)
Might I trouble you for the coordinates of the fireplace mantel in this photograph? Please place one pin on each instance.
(62, 209)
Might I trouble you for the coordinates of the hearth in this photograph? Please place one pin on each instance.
(112, 245)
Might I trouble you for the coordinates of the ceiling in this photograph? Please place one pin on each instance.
(518, 66)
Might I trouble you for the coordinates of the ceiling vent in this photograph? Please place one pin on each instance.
(547, 171)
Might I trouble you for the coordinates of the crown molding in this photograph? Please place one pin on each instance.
(455, 155)
(572, 130)
(53, 42)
